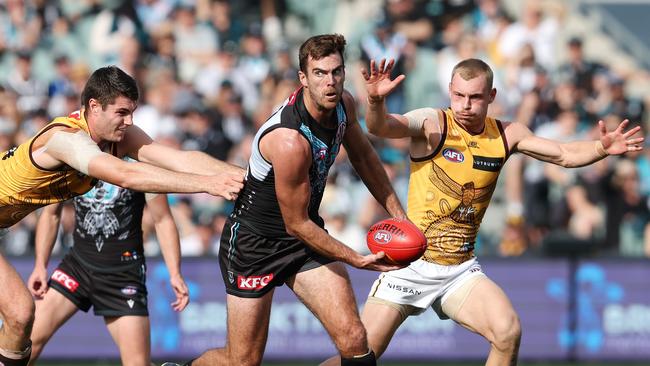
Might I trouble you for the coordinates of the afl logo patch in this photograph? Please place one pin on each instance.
(453, 155)
(383, 237)
(129, 290)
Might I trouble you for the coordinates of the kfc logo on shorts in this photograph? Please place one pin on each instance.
(453, 155)
(253, 282)
(65, 280)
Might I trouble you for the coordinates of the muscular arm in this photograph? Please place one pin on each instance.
(365, 161)
(573, 154)
(141, 147)
(76, 149)
(170, 246)
(289, 153)
(46, 229)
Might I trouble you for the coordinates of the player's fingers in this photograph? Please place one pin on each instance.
(365, 74)
(397, 81)
(390, 65)
(623, 125)
(373, 69)
(602, 128)
(632, 131)
(382, 65)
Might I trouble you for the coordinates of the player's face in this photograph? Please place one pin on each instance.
(324, 80)
(470, 99)
(111, 123)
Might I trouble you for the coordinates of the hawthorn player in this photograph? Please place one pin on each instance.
(456, 156)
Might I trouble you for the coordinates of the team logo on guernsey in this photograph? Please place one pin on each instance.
(321, 154)
(453, 155)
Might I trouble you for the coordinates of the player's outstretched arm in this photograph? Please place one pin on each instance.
(378, 86)
(76, 149)
(170, 246)
(366, 162)
(47, 227)
(141, 147)
(577, 153)
(289, 154)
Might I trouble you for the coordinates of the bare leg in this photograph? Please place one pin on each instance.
(131, 334)
(488, 312)
(51, 313)
(381, 320)
(327, 292)
(16, 309)
(248, 326)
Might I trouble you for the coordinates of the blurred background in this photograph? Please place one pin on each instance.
(570, 247)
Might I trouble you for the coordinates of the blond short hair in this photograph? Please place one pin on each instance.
(472, 67)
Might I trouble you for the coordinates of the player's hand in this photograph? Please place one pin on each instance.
(618, 141)
(37, 282)
(227, 185)
(378, 262)
(378, 82)
(180, 290)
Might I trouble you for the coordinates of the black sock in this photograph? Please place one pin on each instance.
(366, 360)
(11, 362)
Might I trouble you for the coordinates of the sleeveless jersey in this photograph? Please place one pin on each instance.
(449, 190)
(257, 206)
(25, 186)
(108, 225)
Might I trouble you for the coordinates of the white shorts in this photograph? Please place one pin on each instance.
(423, 284)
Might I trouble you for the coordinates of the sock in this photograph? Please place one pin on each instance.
(16, 358)
(362, 360)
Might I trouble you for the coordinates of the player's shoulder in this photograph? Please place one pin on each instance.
(425, 112)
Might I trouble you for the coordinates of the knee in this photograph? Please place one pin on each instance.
(507, 334)
(20, 318)
(353, 340)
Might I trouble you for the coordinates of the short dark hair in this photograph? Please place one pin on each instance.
(320, 46)
(472, 67)
(108, 83)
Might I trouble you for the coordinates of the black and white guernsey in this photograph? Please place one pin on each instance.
(257, 206)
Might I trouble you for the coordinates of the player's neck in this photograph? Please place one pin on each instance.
(319, 114)
(474, 128)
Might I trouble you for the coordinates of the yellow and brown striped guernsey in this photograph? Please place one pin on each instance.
(25, 187)
(449, 191)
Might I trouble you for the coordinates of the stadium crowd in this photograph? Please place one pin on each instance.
(211, 71)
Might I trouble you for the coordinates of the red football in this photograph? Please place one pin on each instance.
(401, 240)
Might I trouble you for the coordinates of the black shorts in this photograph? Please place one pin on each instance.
(111, 292)
(252, 265)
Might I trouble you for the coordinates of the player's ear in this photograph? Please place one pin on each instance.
(493, 94)
(94, 105)
(303, 79)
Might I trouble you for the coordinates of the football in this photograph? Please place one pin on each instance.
(401, 240)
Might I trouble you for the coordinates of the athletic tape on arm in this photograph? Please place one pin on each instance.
(76, 149)
(416, 119)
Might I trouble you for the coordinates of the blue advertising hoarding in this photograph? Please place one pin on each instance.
(613, 322)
